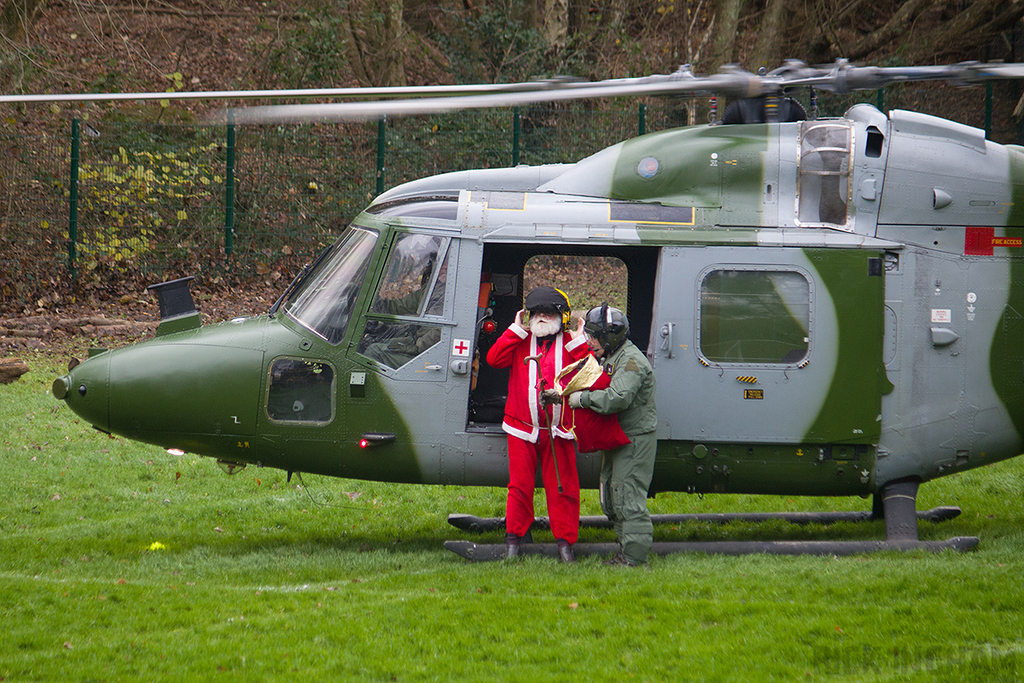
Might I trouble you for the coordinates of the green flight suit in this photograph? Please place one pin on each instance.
(626, 471)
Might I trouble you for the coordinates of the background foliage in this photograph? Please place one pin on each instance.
(297, 187)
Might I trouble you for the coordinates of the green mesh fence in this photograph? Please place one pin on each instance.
(161, 201)
(34, 172)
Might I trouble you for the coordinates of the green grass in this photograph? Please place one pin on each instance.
(260, 579)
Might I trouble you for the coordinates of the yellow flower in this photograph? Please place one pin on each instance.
(157, 545)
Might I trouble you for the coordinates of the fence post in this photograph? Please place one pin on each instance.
(517, 120)
(76, 139)
(641, 124)
(229, 190)
(381, 130)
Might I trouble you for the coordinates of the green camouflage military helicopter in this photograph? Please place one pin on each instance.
(833, 307)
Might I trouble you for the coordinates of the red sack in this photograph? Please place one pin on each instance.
(593, 431)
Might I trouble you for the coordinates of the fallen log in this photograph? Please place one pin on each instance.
(11, 369)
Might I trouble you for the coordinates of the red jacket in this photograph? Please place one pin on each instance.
(522, 409)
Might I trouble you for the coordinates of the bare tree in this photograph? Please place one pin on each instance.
(771, 40)
(556, 22)
(727, 19)
(374, 36)
(16, 17)
(897, 24)
(977, 25)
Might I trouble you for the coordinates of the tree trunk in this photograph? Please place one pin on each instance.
(556, 22)
(976, 26)
(16, 18)
(896, 25)
(529, 16)
(771, 36)
(613, 14)
(727, 20)
(814, 45)
(392, 55)
(577, 15)
(374, 35)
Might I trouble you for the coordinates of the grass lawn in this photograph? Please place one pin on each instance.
(119, 561)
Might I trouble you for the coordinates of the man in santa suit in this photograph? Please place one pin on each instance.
(536, 351)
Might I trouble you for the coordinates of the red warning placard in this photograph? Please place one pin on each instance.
(981, 241)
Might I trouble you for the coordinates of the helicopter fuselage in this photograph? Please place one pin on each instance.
(828, 305)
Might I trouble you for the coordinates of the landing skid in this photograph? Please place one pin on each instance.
(898, 507)
(489, 552)
(482, 524)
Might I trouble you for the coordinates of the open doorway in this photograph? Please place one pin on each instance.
(589, 276)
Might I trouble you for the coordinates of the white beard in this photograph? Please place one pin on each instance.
(544, 328)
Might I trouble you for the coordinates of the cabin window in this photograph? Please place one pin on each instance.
(300, 391)
(824, 173)
(323, 301)
(413, 286)
(755, 316)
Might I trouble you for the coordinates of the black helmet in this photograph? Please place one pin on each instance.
(550, 300)
(609, 326)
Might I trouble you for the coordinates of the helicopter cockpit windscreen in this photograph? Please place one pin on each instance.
(324, 302)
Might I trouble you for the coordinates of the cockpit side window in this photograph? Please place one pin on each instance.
(325, 300)
(413, 286)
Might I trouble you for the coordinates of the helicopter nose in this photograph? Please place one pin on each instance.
(85, 389)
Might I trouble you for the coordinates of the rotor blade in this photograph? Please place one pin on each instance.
(732, 83)
(1007, 71)
(844, 77)
(404, 91)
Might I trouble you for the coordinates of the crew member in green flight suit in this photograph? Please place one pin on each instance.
(626, 471)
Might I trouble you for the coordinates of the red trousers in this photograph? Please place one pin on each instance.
(564, 507)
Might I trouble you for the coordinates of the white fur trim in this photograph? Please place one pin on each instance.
(575, 343)
(530, 436)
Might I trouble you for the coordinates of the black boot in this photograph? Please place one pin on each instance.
(511, 546)
(565, 552)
